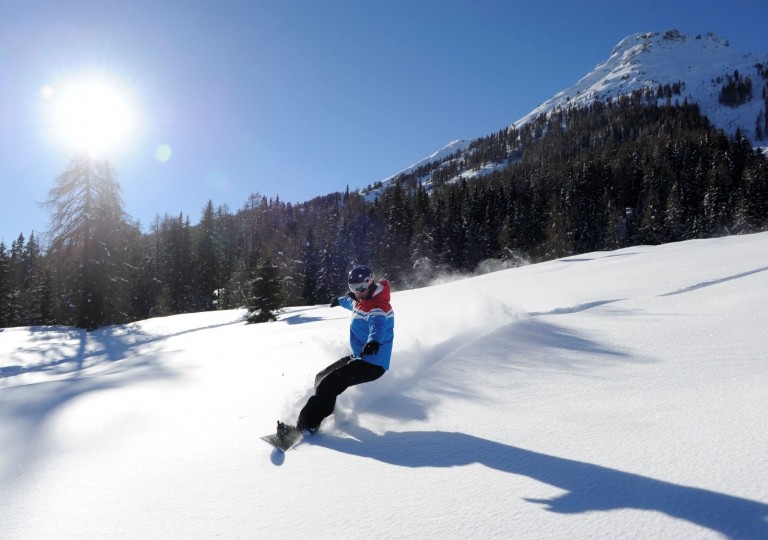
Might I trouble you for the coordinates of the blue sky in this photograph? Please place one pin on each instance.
(300, 98)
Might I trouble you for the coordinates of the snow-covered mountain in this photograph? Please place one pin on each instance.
(701, 65)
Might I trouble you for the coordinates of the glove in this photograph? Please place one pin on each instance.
(334, 302)
(352, 295)
(371, 348)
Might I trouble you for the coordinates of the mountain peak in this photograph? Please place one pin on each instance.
(649, 59)
(645, 40)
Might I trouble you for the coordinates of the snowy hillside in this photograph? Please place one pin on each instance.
(606, 395)
(701, 63)
(651, 59)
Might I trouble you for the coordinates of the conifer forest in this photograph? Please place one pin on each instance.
(640, 169)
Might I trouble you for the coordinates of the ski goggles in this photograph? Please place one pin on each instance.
(360, 287)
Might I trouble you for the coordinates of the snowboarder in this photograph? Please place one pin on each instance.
(371, 334)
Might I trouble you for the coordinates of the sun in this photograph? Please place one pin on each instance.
(90, 114)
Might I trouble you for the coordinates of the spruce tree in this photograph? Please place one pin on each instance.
(5, 287)
(31, 282)
(265, 299)
(207, 260)
(15, 266)
(178, 264)
(310, 291)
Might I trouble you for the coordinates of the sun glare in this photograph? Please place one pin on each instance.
(90, 115)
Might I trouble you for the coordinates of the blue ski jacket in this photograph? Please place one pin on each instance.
(372, 320)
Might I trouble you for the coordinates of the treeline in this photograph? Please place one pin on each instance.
(619, 173)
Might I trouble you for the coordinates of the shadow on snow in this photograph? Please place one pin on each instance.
(67, 355)
(66, 350)
(589, 487)
(537, 345)
(716, 281)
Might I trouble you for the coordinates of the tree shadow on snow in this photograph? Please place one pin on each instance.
(66, 350)
(716, 281)
(589, 487)
(302, 316)
(300, 319)
(66, 355)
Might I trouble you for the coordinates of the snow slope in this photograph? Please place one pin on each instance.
(701, 63)
(460, 145)
(643, 60)
(606, 395)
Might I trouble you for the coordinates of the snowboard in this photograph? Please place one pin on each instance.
(284, 441)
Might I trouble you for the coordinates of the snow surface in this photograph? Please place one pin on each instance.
(606, 395)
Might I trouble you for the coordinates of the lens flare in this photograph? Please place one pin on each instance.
(46, 92)
(163, 153)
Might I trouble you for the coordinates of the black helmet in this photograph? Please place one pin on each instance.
(360, 278)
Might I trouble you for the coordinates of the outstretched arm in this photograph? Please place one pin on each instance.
(347, 301)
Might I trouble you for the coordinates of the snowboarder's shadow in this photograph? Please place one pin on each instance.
(589, 487)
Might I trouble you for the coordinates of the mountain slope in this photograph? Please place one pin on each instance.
(647, 60)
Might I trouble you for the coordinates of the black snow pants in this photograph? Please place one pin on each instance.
(330, 383)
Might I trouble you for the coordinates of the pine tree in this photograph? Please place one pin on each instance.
(456, 228)
(673, 215)
(207, 260)
(145, 277)
(178, 265)
(756, 196)
(558, 237)
(5, 287)
(310, 291)
(423, 242)
(16, 271)
(226, 249)
(86, 224)
(397, 233)
(265, 300)
(47, 292)
(31, 282)
(651, 212)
